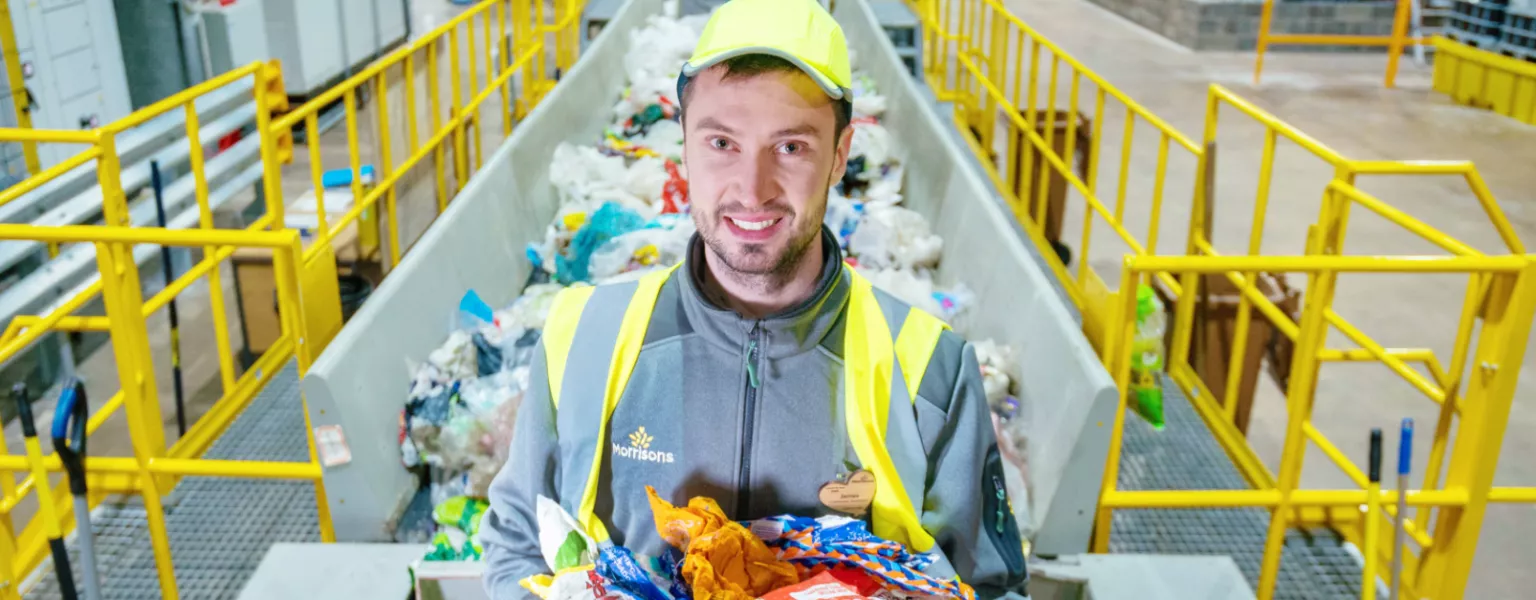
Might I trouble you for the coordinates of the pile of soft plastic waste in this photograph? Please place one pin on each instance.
(623, 212)
(711, 556)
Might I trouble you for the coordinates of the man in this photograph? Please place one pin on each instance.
(762, 369)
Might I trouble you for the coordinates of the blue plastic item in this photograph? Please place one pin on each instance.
(343, 177)
(472, 306)
(620, 567)
(533, 256)
(609, 221)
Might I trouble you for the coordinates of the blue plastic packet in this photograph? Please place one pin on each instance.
(619, 566)
(343, 177)
(472, 306)
(533, 256)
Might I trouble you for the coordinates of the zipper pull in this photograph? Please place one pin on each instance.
(1002, 502)
(752, 362)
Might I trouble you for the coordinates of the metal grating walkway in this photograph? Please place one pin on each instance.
(220, 528)
(1186, 456)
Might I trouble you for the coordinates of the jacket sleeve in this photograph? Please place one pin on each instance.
(509, 531)
(965, 505)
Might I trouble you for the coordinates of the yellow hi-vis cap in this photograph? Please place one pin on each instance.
(799, 31)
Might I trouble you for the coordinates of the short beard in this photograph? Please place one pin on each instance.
(782, 271)
(778, 274)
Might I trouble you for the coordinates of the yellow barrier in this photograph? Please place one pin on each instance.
(1484, 79)
(978, 55)
(537, 42)
(1395, 42)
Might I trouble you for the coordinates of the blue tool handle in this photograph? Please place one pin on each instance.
(69, 419)
(1405, 449)
(1376, 455)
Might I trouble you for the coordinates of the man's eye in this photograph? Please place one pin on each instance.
(791, 148)
(720, 144)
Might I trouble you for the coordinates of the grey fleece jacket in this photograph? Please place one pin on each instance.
(758, 451)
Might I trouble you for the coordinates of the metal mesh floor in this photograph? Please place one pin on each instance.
(1186, 456)
(219, 528)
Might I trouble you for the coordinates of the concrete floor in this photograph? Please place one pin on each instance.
(1339, 100)
(1336, 98)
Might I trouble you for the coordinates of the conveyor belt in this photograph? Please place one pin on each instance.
(1186, 456)
(219, 527)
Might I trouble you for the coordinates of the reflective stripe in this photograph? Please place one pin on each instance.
(881, 423)
(559, 331)
(609, 343)
(915, 344)
(869, 367)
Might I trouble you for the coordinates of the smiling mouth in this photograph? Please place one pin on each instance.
(754, 225)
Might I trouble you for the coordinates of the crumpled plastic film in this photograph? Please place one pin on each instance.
(610, 221)
(721, 558)
(895, 237)
(814, 546)
(996, 361)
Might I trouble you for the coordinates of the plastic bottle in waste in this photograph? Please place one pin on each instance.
(1147, 357)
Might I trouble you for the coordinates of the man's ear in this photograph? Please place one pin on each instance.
(844, 146)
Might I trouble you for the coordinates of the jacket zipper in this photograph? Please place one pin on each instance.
(749, 415)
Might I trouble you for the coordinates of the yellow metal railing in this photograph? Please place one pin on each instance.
(989, 62)
(539, 42)
(531, 44)
(1395, 42)
(978, 56)
(155, 466)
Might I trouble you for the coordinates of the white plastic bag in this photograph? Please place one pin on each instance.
(555, 529)
(455, 359)
(908, 286)
(873, 142)
(894, 237)
(996, 362)
(868, 105)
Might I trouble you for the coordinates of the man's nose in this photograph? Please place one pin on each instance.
(758, 179)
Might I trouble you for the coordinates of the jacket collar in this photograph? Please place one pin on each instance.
(792, 331)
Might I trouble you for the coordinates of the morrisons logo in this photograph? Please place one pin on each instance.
(639, 448)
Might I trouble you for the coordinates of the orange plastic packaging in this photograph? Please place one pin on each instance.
(722, 560)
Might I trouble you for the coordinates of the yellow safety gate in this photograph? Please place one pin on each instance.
(531, 43)
(989, 64)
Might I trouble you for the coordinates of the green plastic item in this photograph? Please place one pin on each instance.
(569, 554)
(443, 550)
(463, 512)
(1146, 302)
(1146, 363)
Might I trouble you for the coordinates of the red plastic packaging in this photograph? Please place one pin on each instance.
(820, 587)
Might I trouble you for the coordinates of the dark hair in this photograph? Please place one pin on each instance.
(752, 65)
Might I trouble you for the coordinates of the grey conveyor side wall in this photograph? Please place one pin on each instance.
(360, 381)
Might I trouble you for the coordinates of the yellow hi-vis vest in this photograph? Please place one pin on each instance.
(871, 352)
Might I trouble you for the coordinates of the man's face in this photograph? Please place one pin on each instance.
(761, 155)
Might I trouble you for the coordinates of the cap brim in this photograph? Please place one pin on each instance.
(826, 84)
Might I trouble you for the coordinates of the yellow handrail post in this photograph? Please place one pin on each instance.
(1265, 19)
(386, 166)
(435, 111)
(1399, 31)
(269, 95)
(454, 114)
(21, 99)
(1445, 567)
(502, 50)
(215, 280)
